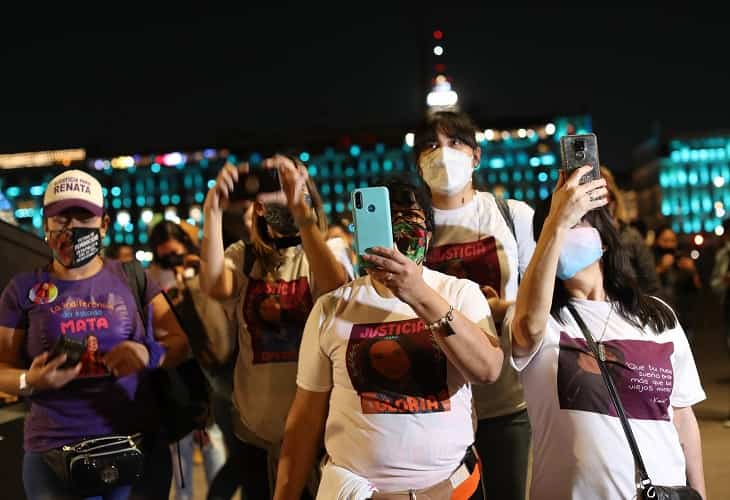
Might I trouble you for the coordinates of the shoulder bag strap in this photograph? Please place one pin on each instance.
(613, 393)
(507, 215)
(137, 282)
(503, 207)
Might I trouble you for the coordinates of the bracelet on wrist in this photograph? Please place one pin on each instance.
(24, 388)
(443, 323)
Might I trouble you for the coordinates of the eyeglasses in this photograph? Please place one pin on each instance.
(409, 213)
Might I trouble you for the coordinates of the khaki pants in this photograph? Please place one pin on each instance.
(467, 483)
(439, 491)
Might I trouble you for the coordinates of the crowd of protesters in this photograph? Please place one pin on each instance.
(430, 369)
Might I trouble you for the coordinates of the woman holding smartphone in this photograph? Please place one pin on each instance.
(488, 241)
(580, 271)
(269, 287)
(86, 300)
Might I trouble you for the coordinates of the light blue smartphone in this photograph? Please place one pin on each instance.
(371, 215)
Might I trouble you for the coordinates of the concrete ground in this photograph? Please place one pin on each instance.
(713, 414)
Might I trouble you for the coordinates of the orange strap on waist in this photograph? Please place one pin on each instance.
(467, 488)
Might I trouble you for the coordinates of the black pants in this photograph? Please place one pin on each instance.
(254, 471)
(157, 478)
(253, 465)
(503, 444)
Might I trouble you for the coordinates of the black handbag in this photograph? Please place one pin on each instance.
(647, 490)
(182, 392)
(95, 466)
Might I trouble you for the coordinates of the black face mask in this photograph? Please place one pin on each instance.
(86, 242)
(280, 219)
(170, 261)
(286, 242)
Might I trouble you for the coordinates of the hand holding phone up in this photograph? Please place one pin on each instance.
(219, 196)
(572, 199)
(293, 191)
(577, 151)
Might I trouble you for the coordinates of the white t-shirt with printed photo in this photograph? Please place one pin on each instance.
(400, 414)
(269, 310)
(579, 447)
(475, 242)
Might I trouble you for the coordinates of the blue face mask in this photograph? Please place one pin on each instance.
(582, 247)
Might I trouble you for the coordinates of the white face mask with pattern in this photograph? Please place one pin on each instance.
(447, 170)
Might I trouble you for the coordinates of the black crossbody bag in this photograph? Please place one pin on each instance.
(647, 490)
(95, 466)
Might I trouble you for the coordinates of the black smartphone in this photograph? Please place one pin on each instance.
(72, 348)
(257, 180)
(577, 151)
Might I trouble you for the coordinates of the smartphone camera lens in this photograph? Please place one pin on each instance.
(371, 208)
(358, 200)
(580, 145)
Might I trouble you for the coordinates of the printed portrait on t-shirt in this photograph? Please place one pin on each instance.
(396, 368)
(92, 363)
(482, 261)
(98, 319)
(275, 314)
(641, 371)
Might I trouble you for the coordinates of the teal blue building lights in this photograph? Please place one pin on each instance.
(521, 163)
(694, 179)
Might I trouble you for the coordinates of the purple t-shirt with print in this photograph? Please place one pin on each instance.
(102, 309)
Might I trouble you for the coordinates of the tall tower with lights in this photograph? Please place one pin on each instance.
(442, 95)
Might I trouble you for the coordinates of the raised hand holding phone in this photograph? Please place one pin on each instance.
(254, 180)
(218, 197)
(572, 199)
(292, 188)
(577, 151)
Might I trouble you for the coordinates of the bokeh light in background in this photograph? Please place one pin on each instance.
(520, 163)
(142, 190)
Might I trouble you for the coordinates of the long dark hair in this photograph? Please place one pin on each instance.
(619, 279)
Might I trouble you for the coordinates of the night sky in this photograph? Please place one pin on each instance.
(137, 82)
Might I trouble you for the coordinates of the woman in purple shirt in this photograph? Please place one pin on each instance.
(85, 298)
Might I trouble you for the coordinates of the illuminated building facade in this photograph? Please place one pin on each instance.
(140, 190)
(686, 184)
